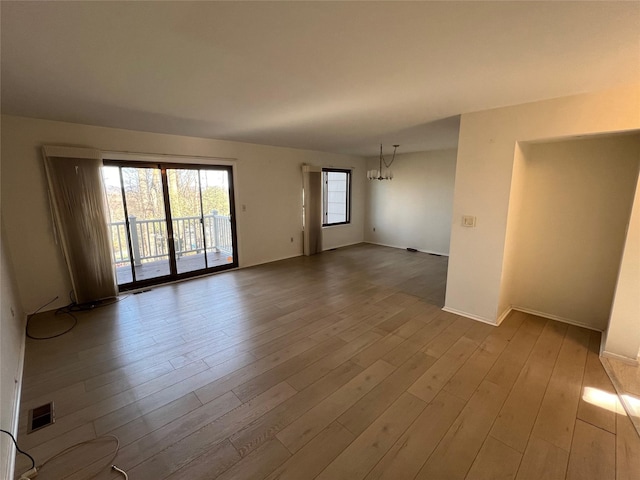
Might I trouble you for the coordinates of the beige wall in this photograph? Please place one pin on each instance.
(571, 221)
(414, 209)
(12, 324)
(484, 167)
(623, 336)
(514, 218)
(268, 182)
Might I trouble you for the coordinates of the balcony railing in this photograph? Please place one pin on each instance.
(149, 237)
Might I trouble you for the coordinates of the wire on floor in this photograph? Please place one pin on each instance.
(68, 310)
(86, 442)
(34, 470)
(121, 472)
(60, 311)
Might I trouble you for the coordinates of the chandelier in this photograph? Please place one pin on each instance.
(385, 174)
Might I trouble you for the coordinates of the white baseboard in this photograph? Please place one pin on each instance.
(271, 260)
(341, 246)
(554, 317)
(629, 361)
(430, 252)
(615, 356)
(504, 315)
(469, 315)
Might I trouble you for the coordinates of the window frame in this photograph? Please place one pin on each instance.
(325, 202)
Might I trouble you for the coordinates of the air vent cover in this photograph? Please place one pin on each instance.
(40, 417)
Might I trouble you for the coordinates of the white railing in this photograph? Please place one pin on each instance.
(149, 237)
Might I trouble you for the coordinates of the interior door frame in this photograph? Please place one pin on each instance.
(174, 275)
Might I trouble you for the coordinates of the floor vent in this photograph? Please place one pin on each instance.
(41, 417)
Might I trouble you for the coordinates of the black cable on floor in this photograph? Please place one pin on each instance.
(33, 462)
(68, 310)
(58, 312)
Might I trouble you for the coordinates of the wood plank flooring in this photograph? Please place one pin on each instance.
(336, 366)
(626, 380)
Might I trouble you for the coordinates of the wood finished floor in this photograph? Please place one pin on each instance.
(337, 366)
(626, 380)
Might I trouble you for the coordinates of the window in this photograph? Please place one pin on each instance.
(336, 196)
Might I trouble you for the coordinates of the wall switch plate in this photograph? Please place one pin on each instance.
(468, 221)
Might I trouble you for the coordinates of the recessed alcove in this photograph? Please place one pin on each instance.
(570, 207)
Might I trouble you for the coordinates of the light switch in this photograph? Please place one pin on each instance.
(468, 221)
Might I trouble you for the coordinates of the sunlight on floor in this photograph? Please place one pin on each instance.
(610, 401)
(633, 402)
(602, 399)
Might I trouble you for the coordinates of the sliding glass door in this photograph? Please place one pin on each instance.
(201, 212)
(185, 198)
(169, 221)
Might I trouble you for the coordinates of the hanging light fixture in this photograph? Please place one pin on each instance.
(385, 174)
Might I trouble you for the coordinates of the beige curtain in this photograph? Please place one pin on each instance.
(77, 200)
(312, 184)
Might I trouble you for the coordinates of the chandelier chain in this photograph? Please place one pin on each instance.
(392, 159)
(383, 174)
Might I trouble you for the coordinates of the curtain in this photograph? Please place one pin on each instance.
(312, 194)
(77, 200)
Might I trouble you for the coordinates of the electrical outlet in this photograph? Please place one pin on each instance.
(468, 221)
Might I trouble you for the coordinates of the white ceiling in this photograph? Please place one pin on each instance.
(330, 76)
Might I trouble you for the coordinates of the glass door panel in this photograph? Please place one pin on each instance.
(216, 205)
(147, 222)
(117, 225)
(186, 214)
